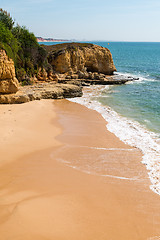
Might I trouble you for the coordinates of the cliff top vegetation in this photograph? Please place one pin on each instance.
(22, 46)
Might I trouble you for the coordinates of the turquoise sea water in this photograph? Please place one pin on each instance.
(140, 100)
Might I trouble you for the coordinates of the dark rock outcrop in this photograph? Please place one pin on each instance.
(95, 79)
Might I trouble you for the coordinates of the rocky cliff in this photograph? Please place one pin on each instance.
(85, 57)
(72, 65)
(11, 92)
(8, 80)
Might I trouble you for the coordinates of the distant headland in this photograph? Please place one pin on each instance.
(40, 39)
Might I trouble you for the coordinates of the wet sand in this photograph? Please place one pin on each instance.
(64, 176)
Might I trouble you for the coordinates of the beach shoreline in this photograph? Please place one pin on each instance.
(127, 129)
(52, 186)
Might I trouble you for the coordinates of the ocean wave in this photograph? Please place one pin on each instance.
(128, 131)
(142, 78)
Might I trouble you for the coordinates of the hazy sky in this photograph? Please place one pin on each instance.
(125, 20)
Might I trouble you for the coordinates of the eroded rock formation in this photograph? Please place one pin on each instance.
(42, 91)
(8, 80)
(11, 92)
(84, 57)
(72, 65)
(45, 76)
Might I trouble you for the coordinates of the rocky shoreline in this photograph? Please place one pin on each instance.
(42, 91)
(88, 79)
(65, 88)
(73, 65)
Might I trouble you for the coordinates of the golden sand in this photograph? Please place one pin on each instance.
(42, 197)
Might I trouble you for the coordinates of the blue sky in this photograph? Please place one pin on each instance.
(113, 20)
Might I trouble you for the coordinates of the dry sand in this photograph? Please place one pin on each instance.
(42, 197)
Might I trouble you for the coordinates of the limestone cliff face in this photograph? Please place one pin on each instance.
(8, 80)
(45, 76)
(74, 57)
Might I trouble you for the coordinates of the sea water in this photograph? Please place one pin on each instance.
(141, 99)
(133, 110)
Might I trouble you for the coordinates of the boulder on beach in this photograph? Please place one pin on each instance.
(8, 81)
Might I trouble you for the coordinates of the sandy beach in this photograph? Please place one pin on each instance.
(63, 176)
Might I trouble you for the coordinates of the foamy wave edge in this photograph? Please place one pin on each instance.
(141, 78)
(130, 132)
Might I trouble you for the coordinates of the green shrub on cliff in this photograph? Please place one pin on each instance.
(8, 42)
(21, 46)
(31, 55)
(6, 19)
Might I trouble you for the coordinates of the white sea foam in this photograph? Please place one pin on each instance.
(109, 149)
(122, 178)
(130, 132)
(139, 76)
(105, 175)
(154, 238)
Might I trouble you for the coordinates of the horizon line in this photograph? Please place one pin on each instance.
(75, 40)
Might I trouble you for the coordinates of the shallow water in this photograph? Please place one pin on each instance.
(129, 131)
